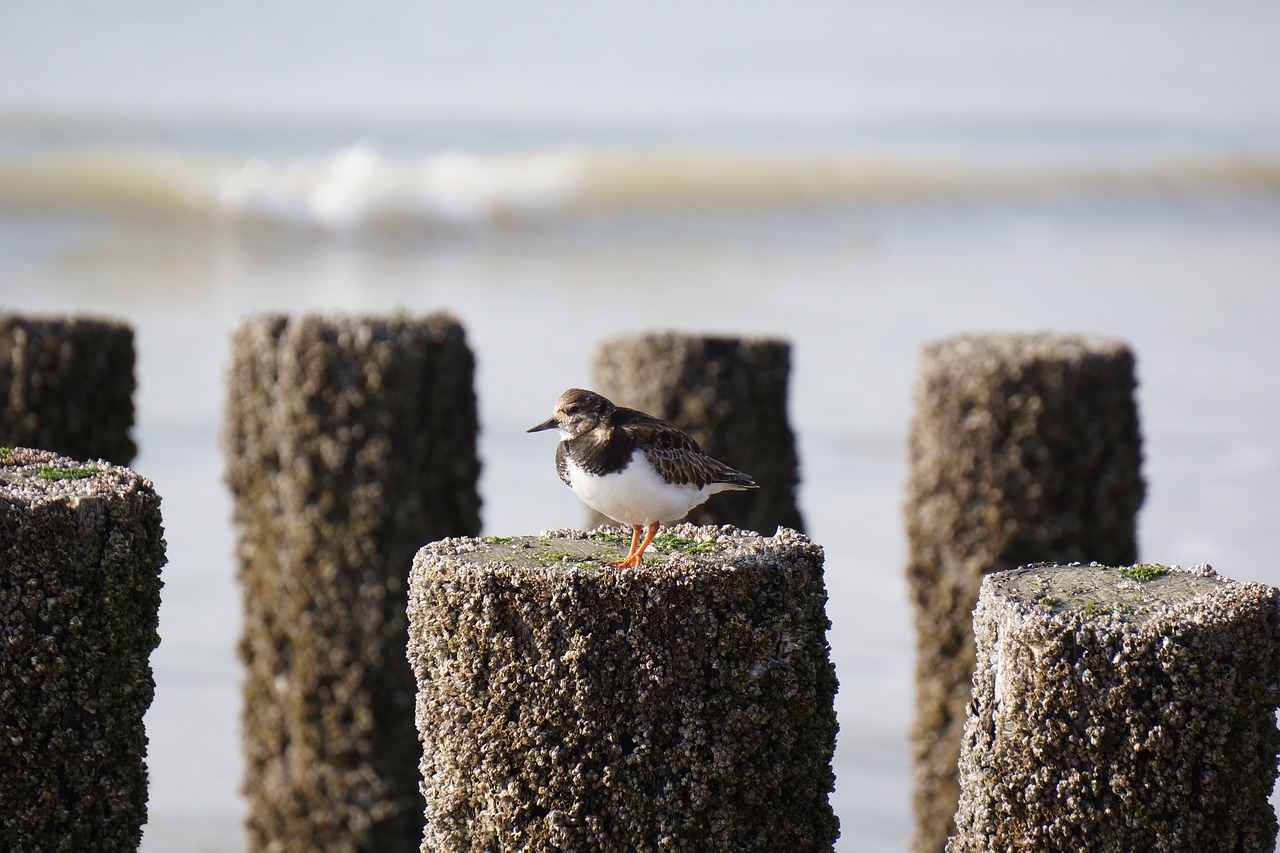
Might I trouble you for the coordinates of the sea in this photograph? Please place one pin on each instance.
(856, 178)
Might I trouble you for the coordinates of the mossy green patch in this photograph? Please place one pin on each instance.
(53, 472)
(1096, 608)
(671, 542)
(1144, 572)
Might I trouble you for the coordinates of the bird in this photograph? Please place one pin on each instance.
(632, 467)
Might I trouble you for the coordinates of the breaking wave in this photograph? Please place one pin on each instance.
(358, 187)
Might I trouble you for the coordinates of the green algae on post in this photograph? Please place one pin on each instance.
(671, 543)
(1144, 572)
(74, 472)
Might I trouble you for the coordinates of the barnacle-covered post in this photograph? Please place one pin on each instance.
(1119, 709)
(350, 442)
(686, 704)
(1024, 448)
(730, 395)
(81, 546)
(66, 385)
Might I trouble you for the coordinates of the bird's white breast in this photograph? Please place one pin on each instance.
(636, 494)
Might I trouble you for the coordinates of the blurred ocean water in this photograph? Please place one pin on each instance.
(859, 179)
(359, 189)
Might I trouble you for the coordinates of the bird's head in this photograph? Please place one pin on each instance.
(577, 412)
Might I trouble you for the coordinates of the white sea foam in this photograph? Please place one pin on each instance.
(358, 186)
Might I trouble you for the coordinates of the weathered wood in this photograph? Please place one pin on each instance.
(81, 546)
(66, 385)
(1024, 448)
(1120, 709)
(350, 442)
(686, 704)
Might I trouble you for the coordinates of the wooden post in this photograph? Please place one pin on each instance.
(683, 705)
(1119, 709)
(730, 395)
(1023, 448)
(66, 385)
(350, 442)
(81, 546)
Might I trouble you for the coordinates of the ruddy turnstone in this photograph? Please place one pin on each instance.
(634, 468)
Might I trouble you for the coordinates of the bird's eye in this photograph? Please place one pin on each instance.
(573, 410)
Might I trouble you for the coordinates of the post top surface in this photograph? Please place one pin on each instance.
(1130, 593)
(30, 476)
(570, 550)
(1021, 347)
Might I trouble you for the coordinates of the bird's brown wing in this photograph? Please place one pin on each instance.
(686, 467)
(674, 453)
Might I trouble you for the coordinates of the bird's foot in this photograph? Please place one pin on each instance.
(635, 556)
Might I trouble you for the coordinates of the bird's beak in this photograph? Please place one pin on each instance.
(549, 423)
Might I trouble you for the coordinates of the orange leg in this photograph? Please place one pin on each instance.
(635, 540)
(635, 558)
